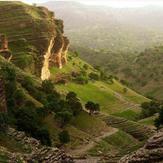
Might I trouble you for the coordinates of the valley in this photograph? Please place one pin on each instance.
(54, 106)
(117, 40)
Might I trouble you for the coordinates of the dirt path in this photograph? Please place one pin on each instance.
(84, 148)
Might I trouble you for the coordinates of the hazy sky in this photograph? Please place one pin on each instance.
(112, 3)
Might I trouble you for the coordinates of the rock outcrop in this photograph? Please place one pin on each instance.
(65, 50)
(39, 153)
(151, 152)
(36, 38)
(4, 43)
(4, 51)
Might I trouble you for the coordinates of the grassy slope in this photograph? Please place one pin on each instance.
(111, 97)
(82, 127)
(148, 121)
(137, 130)
(113, 100)
(117, 144)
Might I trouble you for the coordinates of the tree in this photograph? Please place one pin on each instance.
(92, 107)
(150, 108)
(159, 120)
(125, 90)
(74, 103)
(64, 137)
(3, 121)
(94, 76)
(9, 76)
(27, 120)
(64, 117)
(43, 135)
(71, 95)
(48, 86)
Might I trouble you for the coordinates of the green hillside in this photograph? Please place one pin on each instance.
(115, 39)
(109, 94)
(53, 111)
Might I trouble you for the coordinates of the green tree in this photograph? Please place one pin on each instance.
(9, 76)
(150, 108)
(159, 120)
(92, 107)
(94, 76)
(71, 95)
(29, 121)
(64, 137)
(48, 86)
(3, 121)
(74, 103)
(43, 135)
(64, 117)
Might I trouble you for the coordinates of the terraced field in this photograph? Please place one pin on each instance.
(113, 147)
(137, 130)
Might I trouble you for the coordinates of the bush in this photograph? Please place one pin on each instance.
(9, 76)
(29, 121)
(159, 120)
(125, 90)
(3, 121)
(85, 66)
(81, 80)
(94, 76)
(43, 135)
(92, 107)
(71, 95)
(64, 117)
(150, 108)
(74, 103)
(48, 86)
(64, 137)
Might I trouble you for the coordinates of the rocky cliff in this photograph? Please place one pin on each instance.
(151, 152)
(35, 37)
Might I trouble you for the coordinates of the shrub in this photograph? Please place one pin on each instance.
(48, 86)
(94, 76)
(81, 80)
(150, 108)
(29, 121)
(125, 90)
(85, 66)
(92, 107)
(71, 95)
(159, 120)
(43, 135)
(64, 137)
(64, 117)
(3, 121)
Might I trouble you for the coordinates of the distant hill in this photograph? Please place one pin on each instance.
(111, 29)
(146, 72)
(113, 38)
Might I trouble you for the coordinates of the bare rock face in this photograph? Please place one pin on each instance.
(36, 38)
(4, 51)
(4, 42)
(65, 50)
(151, 152)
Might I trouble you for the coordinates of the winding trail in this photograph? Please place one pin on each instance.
(80, 151)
